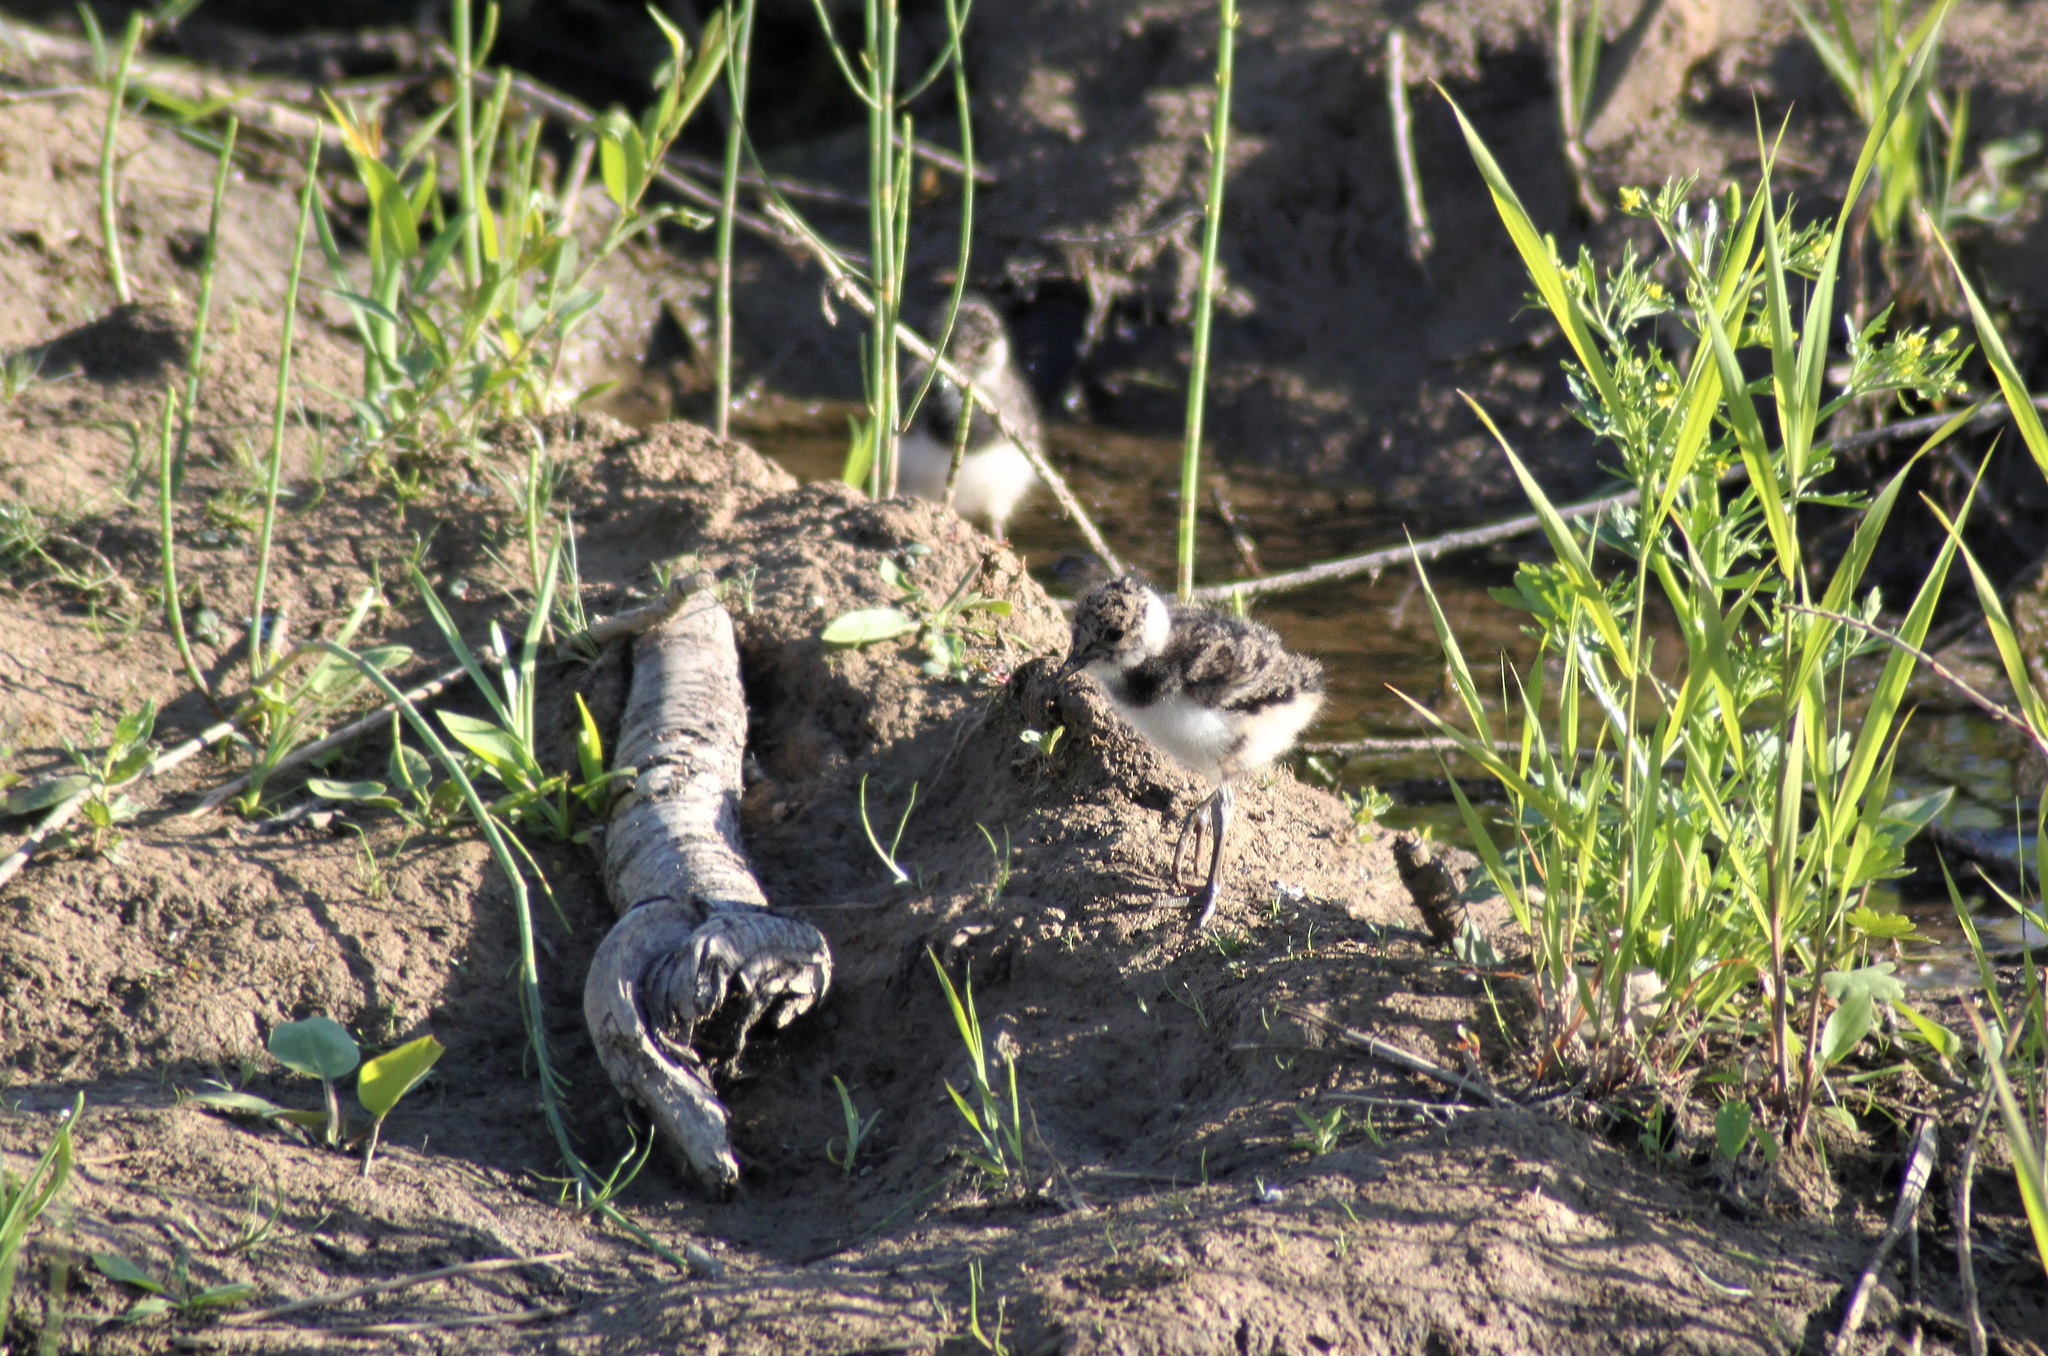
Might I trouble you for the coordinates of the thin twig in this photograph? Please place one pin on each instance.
(305, 753)
(1919, 1165)
(1966, 1266)
(1386, 747)
(396, 1283)
(645, 617)
(1402, 1059)
(533, 1315)
(843, 286)
(1247, 549)
(1939, 669)
(1374, 561)
(1410, 1104)
(1420, 240)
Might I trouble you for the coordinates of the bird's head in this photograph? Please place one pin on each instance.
(1119, 624)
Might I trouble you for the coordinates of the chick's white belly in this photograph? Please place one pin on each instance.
(993, 477)
(1198, 737)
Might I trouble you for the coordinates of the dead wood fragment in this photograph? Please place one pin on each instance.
(1919, 1166)
(696, 958)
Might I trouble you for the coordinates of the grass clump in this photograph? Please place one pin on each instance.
(1692, 848)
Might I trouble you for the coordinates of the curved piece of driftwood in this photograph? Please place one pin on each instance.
(696, 959)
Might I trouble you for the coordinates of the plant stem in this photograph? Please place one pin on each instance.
(209, 264)
(738, 52)
(174, 611)
(116, 94)
(883, 213)
(465, 140)
(284, 381)
(1205, 297)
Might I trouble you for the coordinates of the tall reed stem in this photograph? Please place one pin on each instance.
(174, 609)
(209, 265)
(117, 93)
(1205, 297)
(738, 53)
(884, 210)
(284, 383)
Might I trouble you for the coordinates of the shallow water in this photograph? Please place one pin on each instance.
(1375, 636)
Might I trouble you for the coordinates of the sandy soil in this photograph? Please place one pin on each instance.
(1169, 1206)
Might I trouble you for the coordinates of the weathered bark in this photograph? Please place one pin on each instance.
(697, 958)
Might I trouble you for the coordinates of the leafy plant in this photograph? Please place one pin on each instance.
(857, 1128)
(1045, 741)
(888, 854)
(177, 1295)
(319, 1047)
(995, 1116)
(1320, 1134)
(447, 351)
(1717, 828)
(23, 1201)
(942, 630)
(101, 775)
(990, 1341)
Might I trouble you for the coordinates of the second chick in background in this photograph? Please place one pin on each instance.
(995, 475)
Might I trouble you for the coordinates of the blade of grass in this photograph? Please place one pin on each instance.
(284, 383)
(1205, 299)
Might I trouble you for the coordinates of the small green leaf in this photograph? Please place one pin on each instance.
(368, 793)
(220, 1296)
(1858, 992)
(115, 1267)
(316, 1046)
(34, 796)
(394, 1073)
(1939, 1038)
(1731, 1128)
(506, 755)
(868, 626)
(1880, 926)
(238, 1104)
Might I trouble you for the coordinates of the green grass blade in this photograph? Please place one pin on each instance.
(1567, 548)
(1541, 262)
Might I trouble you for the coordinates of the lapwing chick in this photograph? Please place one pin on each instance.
(995, 475)
(1218, 694)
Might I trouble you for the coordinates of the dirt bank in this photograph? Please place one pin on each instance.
(1175, 1197)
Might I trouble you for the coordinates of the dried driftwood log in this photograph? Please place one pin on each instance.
(696, 958)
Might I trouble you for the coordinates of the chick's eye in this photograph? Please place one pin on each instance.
(1112, 634)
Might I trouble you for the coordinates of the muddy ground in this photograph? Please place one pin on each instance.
(1170, 1205)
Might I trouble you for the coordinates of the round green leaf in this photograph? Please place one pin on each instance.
(394, 1073)
(317, 1047)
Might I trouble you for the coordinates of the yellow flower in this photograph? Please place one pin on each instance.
(1632, 200)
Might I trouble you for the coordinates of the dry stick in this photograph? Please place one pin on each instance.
(1939, 669)
(1420, 240)
(65, 811)
(436, 1324)
(846, 289)
(1919, 1164)
(1384, 747)
(397, 1283)
(1247, 549)
(1373, 561)
(1420, 1108)
(1966, 1266)
(1395, 1055)
(1466, 539)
